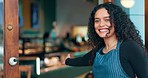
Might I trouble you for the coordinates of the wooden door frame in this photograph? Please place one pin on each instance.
(103, 1)
(108, 0)
(11, 31)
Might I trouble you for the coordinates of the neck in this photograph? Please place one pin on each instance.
(110, 43)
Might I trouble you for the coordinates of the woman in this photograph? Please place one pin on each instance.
(118, 50)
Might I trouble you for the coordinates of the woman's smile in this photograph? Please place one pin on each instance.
(103, 30)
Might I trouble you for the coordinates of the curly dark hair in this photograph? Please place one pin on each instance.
(124, 27)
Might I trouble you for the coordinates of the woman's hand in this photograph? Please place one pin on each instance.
(68, 56)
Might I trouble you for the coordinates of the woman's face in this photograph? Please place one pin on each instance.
(102, 24)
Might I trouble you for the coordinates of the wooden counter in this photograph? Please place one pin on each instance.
(56, 71)
(48, 69)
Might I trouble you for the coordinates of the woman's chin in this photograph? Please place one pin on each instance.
(103, 36)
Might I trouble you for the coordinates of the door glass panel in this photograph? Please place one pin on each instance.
(1, 40)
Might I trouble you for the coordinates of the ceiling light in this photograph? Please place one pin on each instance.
(127, 3)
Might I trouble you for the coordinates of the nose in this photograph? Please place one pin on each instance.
(102, 23)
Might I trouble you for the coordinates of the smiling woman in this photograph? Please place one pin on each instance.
(116, 45)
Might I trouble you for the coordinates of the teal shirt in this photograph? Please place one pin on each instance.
(108, 65)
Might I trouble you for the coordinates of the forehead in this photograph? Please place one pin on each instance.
(102, 13)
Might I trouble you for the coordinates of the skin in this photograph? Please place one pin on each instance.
(105, 29)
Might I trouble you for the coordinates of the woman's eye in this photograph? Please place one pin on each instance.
(97, 21)
(107, 20)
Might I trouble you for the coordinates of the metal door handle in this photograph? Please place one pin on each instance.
(13, 61)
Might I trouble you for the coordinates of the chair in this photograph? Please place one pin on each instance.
(25, 68)
(1, 74)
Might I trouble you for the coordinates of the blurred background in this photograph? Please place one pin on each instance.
(51, 29)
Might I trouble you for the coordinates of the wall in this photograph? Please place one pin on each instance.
(66, 13)
(26, 13)
(72, 13)
(49, 11)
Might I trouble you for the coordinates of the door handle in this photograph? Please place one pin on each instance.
(13, 61)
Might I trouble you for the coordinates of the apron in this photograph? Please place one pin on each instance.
(108, 65)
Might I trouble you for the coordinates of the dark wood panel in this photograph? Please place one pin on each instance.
(10, 37)
(108, 0)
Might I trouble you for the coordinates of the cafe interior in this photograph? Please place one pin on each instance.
(51, 29)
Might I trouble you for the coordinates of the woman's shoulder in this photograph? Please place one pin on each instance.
(130, 44)
(131, 47)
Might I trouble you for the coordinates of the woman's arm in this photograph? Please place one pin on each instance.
(136, 59)
(80, 61)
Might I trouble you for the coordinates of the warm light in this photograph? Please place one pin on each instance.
(127, 3)
(46, 61)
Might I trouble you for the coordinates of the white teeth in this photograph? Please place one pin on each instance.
(103, 30)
